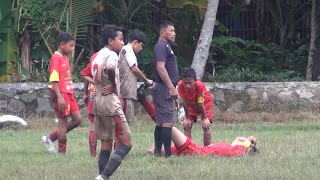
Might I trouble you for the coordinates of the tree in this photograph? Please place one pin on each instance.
(314, 51)
(204, 42)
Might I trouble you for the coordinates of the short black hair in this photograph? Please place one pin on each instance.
(165, 24)
(189, 72)
(137, 35)
(107, 32)
(64, 37)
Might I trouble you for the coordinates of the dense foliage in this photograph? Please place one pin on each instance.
(236, 59)
(231, 58)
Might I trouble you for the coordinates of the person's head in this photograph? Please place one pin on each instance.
(65, 42)
(252, 149)
(137, 39)
(111, 37)
(189, 77)
(167, 31)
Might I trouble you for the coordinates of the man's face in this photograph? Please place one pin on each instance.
(169, 33)
(137, 46)
(188, 82)
(67, 47)
(117, 43)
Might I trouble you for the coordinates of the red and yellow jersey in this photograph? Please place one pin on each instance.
(199, 94)
(217, 149)
(87, 72)
(60, 72)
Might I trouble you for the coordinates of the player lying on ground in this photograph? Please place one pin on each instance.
(185, 146)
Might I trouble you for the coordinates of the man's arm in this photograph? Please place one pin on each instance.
(85, 91)
(89, 79)
(137, 72)
(165, 78)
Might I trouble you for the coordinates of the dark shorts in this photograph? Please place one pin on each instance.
(164, 105)
(71, 104)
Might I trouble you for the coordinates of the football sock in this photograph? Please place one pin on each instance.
(115, 160)
(166, 139)
(116, 143)
(62, 145)
(103, 159)
(92, 143)
(157, 141)
(148, 106)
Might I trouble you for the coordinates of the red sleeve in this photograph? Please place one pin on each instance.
(87, 70)
(55, 64)
(181, 89)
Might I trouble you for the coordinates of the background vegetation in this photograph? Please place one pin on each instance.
(278, 51)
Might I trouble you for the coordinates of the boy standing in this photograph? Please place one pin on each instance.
(129, 71)
(108, 113)
(62, 94)
(197, 101)
(88, 97)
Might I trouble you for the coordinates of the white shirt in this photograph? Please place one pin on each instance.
(130, 55)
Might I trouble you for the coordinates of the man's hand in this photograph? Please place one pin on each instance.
(186, 123)
(61, 103)
(149, 82)
(173, 93)
(86, 99)
(205, 123)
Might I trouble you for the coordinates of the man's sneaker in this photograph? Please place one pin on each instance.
(49, 144)
(101, 177)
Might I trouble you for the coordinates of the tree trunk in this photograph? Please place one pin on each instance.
(314, 51)
(201, 54)
(25, 50)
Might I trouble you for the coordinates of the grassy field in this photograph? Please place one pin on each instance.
(289, 149)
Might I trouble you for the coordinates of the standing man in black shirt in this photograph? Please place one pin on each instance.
(165, 76)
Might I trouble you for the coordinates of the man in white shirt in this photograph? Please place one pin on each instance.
(129, 71)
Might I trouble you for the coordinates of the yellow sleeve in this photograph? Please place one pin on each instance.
(54, 76)
(200, 99)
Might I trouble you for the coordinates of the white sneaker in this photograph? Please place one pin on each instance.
(101, 178)
(49, 144)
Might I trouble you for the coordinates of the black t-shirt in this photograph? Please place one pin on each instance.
(163, 52)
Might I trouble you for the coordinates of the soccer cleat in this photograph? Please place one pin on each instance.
(101, 177)
(49, 144)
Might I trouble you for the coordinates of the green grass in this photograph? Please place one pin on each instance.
(288, 150)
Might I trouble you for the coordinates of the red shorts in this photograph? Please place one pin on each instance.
(90, 110)
(209, 112)
(71, 104)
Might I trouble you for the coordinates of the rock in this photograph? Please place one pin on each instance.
(28, 97)
(16, 106)
(3, 104)
(237, 106)
(44, 106)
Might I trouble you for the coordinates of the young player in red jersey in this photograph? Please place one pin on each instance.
(185, 146)
(88, 97)
(62, 94)
(197, 101)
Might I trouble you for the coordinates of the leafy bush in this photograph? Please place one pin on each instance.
(236, 59)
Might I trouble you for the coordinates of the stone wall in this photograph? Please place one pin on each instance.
(24, 99)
